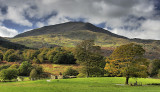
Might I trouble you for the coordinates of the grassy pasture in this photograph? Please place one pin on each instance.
(99, 84)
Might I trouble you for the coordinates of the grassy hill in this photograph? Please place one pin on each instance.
(5, 44)
(71, 33)
(103, 84)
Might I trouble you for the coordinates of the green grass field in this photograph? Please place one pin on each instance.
(99, 84)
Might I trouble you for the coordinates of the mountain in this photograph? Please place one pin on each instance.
(5, 44)
(70, 33)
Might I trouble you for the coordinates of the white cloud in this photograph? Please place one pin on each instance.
(40, 24)
(115, 13)
(6, 32)
(57, 20)
(16, 15)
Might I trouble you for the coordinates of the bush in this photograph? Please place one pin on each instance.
(36, 61)
(12, 58)
(159, 73)
(70, 72)
(8, 74)
(4, 66)
(1, 55)
(81, 75)
(7, 53)
(14, 66)
(33, 74)
(154, 66)
(25, 68)
(39, 69)
(64, 58)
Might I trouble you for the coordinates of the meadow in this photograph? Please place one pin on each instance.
(97, 84)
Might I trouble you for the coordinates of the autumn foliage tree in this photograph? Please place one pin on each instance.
(127, 60)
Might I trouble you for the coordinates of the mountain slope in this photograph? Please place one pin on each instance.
(70, 33)
(5, 44)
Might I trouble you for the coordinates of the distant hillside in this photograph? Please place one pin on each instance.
(5, 44)
(70, 33)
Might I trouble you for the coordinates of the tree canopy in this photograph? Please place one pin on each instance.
(127, 60)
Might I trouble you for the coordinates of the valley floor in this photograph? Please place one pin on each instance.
(99, 84)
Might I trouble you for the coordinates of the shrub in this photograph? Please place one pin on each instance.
(12, 58)
(14, 66)
(25, 68)
(8, 74)
(159, 73)
(81, 75)
(1, 55)
(33, 74)
(7, 53)
(70, 72)
(36, 61)
(39, 69)
(64, 58)
(4, 66)
(154, 66)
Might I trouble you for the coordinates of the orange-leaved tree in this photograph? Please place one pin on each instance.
(127, 60)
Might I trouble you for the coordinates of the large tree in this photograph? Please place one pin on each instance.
(88, 55)
(127, 60)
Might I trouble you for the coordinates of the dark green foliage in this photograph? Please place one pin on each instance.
(70, 72)
(14, 66)
(30, 54)
(12, 58)
(8, 74)
(10, 45)
(154, 66)
(25, 68)
(39, 69)
(41, 58)
(64, 58)
(36, 61)
(89, 57)
(7, 53)
(4, 66)
(1, 55)
(33, 74)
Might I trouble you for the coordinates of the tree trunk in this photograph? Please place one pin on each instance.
(127, 79)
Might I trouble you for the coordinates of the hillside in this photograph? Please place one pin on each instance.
(5, 44)
(70, 33)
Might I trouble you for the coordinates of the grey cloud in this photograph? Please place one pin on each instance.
(112, 12)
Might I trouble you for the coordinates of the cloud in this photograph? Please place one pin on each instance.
(16, 16)
(131, 18)
(57, 20)
(40, 24)
(6, 32)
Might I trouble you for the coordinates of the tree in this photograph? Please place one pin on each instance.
(25, 68)
(12, 58)
(1, 55)
(8, 74)
(35, 60)
(154, 66)
(7, 53)
(64, 58)
(14, 66)
(33, 74)
(88, 55)
(70, 72)
(127, 60)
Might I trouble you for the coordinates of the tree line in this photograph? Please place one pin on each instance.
(126, 60)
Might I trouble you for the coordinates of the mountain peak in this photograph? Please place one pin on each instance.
(66, 27)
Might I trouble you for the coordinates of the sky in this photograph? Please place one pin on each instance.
(130, 18)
